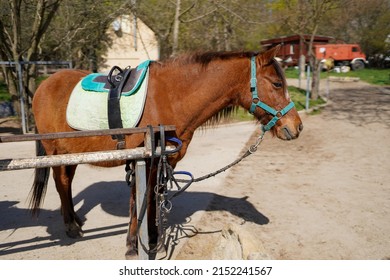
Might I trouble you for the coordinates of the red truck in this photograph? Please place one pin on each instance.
(342, 54)
(292, 47)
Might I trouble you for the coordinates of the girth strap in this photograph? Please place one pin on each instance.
(117, 83)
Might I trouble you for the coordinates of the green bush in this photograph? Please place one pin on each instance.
(4, 95)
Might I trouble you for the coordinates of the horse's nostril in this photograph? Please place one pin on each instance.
(287, 133)
(300, 127)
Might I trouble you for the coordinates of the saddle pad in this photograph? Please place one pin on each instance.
(87, 110)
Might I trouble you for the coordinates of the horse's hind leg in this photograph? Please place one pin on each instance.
(131, 240)
(63, 176)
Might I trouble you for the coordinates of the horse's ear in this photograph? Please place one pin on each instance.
(267, 56)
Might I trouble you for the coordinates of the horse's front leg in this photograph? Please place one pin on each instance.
(63, 176)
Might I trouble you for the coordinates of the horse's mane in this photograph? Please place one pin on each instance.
(204, 58)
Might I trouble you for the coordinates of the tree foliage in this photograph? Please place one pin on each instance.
(76, 29)
(304, 17)
(32, 30)
(363, 22)
(204, 24)
(22, 26)
(79, 32)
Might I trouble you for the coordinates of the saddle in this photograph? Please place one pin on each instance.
(114, 100)
(128, 79)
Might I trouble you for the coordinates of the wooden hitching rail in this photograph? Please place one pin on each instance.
(84, 133)
(80, 158)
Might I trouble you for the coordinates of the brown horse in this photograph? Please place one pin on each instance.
(185, 92)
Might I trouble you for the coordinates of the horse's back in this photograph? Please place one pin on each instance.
(60, 84)
(51, 98)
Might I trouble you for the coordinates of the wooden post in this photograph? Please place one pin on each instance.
(141, 197)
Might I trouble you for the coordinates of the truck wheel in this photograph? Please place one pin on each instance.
(357, 65)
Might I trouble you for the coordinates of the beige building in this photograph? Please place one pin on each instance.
(133, 43)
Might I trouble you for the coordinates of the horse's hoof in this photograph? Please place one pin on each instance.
(131, 253)
(74, 231)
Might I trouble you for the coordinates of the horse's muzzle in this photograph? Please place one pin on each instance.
(288, 133)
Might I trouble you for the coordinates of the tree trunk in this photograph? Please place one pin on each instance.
(227, 35)
(302, 64)
(165, 48)
(315, 85)
(176, 23)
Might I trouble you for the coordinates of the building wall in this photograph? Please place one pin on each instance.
(130, 48)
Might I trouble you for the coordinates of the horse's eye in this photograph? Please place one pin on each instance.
(278, 84)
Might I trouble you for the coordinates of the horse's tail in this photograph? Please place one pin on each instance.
(38, 190)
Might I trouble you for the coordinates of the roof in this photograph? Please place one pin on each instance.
(296, 37)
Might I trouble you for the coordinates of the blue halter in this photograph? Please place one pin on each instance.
(255, 97)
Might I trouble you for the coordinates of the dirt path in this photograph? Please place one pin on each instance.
(323, 196)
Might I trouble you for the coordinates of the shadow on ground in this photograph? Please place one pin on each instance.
(113, 198)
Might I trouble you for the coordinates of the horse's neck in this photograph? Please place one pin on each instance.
(199, 93)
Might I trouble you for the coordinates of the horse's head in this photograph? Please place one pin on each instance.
(270, 101)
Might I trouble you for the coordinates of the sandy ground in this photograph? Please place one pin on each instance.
(323, 196)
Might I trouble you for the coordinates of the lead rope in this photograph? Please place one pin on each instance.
(252, 149)
(166, 176)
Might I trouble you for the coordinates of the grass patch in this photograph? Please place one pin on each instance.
(299, 97)
(369, 75)
(372, 76)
